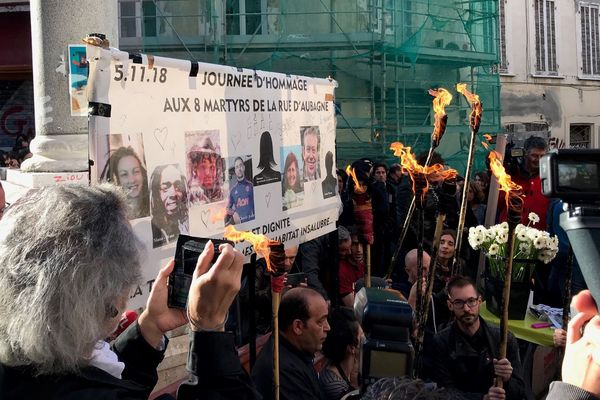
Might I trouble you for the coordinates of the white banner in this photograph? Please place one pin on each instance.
(199, 146)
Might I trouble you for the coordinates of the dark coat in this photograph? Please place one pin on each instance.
(220, 374)
(454, 359)
(298, 379)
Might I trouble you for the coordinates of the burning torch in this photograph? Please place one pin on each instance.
(274, 255)
(442, 98)
(474, 122)
(421, 176)
(363, 216)
(514, 204)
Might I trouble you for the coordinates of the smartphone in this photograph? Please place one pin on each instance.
(294, 280)
(187, 252)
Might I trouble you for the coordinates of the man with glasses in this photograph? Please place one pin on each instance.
(466, 353)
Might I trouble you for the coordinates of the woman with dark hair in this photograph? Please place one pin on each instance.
(291, 184)
(342, 350)
(445, 256)
(476, 206)
(125, 169)
(266, 162)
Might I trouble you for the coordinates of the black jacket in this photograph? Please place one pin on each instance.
(455, 358)
(298, 379)
(220, 373)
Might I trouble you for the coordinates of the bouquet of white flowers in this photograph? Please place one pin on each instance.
(530, 244)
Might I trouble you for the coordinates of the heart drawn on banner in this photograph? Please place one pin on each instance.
(204, 217)
(161, 135)
(235, 139)
(268, 199)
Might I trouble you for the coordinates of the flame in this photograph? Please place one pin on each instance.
(488, 139)
(442, 99)
(506, 183)
(259, 242)
(219, 215)
(471, 97)
(357, 186)
(416, 171)
(474, 102)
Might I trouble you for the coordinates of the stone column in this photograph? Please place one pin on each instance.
(61, 142)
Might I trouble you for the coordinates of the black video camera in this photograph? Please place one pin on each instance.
(386, 320)
(574, 177)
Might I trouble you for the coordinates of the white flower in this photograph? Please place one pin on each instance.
(540, 242)
(503, 226)
(477, 236)
(502, 237)
(522, 236)
(493, 250)
(533, 217)
(533, 233)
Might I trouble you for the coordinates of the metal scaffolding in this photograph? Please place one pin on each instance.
(385, 54)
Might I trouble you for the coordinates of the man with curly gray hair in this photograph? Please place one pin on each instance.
(68, 261)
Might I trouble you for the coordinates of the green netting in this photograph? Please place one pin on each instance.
(385, 54)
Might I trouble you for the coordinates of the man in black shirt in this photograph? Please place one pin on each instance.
(466, 353)
(303, 328)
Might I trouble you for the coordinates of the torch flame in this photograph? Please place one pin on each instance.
(474, 102)
(416, 171)
(357, 186)
(488, 138)
(442, 99)
(259, 242)
(506, 183)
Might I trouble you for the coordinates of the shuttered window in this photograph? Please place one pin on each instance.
(590, 40)
(545, 37)
(502, 21)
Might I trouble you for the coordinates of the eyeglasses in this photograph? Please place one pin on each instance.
(471, 302)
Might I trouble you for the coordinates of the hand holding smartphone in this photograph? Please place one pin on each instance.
(187, 252)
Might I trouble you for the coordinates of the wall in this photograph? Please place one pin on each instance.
(558, 101)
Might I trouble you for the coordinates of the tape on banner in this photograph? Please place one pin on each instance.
(328, 97)
(194, 69)
(136, 58)
(99, 109)
(150, 62)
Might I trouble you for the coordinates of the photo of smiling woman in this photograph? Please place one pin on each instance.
(127, 169)
(292, 189)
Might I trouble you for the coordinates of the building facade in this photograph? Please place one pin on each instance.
(550, 71)
(385, 55)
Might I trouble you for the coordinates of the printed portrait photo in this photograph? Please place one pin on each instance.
(240, 203)
(204, 167)
(310, 138)
(266, 164)
(125, 166)
(168, 204)
(292, 186)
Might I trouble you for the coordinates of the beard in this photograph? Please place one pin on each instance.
(468, 319)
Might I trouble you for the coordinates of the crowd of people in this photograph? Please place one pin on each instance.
(63, 290)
